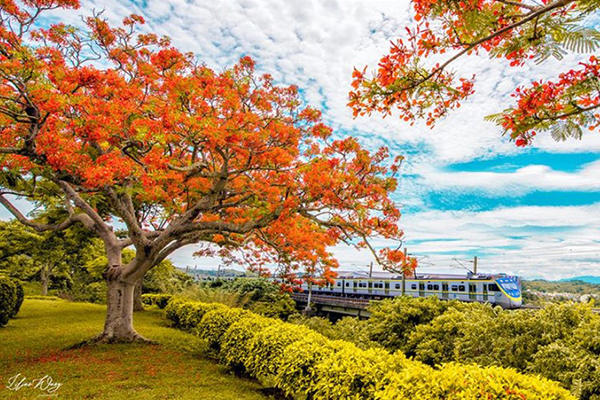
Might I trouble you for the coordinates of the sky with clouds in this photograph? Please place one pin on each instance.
(465, 190)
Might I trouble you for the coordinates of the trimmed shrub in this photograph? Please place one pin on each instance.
(215, 323)
(460, 382)
(8, 299)
(297, 373)
(235, 342)
(266, 349)
(351, 373)
(187, 315)
(300, 361)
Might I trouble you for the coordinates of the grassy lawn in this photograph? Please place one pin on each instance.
(33, 345)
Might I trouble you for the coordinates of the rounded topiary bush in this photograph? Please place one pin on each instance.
(215, 323)
(352, 373)
(267, 347)
(297, 372)
(468, 382)
(8, 299)
(235, 343)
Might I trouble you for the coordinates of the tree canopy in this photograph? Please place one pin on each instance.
(112, 125)
(415, 77)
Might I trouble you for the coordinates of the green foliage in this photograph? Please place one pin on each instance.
(258, 288)
(20, 296)
(275, 305)
(297, 373)
(236, 340)
(187, 315)
(351, 373)
(156, 299)
(299, 361)
(560, 342)
(459, 382)
(216, 295)
(215, 323)
(267, 347)
(350, 329)
(8, 299)
(392, 321)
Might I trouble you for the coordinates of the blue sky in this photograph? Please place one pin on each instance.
(465, 190)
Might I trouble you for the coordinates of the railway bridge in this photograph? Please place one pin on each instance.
(334, 307)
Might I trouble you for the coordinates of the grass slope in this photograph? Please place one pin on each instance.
(33, 345)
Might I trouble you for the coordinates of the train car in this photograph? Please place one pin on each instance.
(499, 289)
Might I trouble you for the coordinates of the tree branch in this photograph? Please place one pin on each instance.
(527, 18)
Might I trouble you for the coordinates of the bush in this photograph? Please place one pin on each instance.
(275, 305)
(235, 342)
(454, 382)
(20, 296)
(160, 300)
(301, 361)
(215, 323)
(351, 373)
(393, 320)
(187, 315)
(266, 349)
(8, 299)
(297, 373)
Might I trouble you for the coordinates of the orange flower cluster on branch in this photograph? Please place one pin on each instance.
(412, 80)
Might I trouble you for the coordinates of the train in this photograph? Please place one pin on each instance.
(497, 289)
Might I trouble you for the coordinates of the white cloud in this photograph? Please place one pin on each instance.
(525, 179)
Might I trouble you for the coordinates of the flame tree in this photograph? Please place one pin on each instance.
(416, 77)
(120, 129)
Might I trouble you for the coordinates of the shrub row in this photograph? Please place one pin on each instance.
(156, 299)
(299, 361)
(11, 298)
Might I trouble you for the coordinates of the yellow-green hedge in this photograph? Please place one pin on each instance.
(300, 361)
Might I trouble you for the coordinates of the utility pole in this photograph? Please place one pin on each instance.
(371, 270)
(404, 273)
(475, 266)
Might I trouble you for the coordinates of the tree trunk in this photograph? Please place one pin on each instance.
(137, 296)
(118, 326)
(44, 277)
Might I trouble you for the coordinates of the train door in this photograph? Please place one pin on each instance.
(370, 285)
(445, 290)
(485, 292)
(421, 289)
(387, 288)
(472, 291)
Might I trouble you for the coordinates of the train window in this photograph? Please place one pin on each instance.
(436, 287)
(430, 287)
(461, 288)
(445, 287)
(370, 284)
(493, 287)
(454, 288)
(339, 284)
(397, 286)
(347, 284)
(413, 286)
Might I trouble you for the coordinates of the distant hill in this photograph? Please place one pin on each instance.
(226, 272)
(587, 279)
